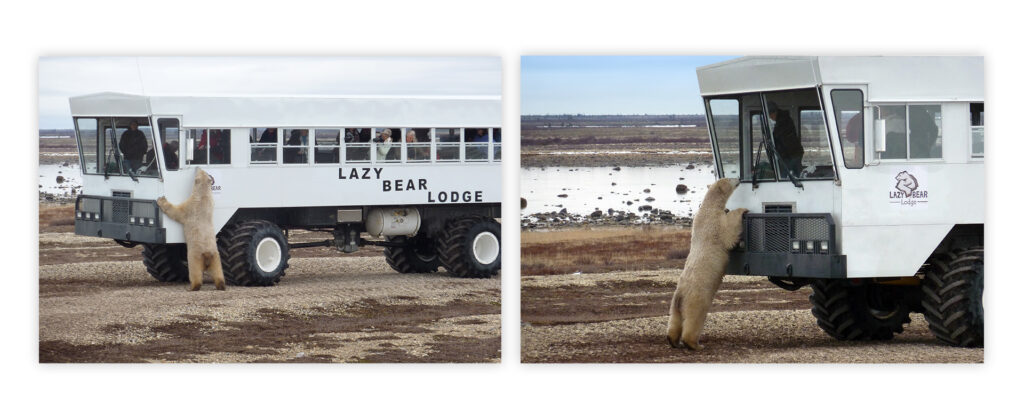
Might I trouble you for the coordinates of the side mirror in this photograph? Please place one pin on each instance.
(879, 135)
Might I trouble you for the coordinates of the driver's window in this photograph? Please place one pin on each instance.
(170, 139)
(135, 147)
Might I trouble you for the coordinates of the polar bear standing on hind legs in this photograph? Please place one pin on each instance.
(715, 232)
(196, 214)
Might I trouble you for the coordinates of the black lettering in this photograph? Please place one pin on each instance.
(455, 196)
(378, 171)
(366, 173)
(387, 185)
(410, 185)
(442, 196)
(354, 174)
(467, 196)
(430, 197)
(423, 183)
(341, 173)
(479, 196)
(398, 185)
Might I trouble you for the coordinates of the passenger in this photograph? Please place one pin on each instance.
(787, 143)
(855, 136)
(384, 140)
(895, 132)
(170, 150)
(133, 147)
(415, 153)
(269, 136)
(481, 136)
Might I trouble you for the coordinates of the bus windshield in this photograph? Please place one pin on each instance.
(116, 146)
(770, 136)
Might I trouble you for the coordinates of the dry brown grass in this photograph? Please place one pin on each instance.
(59, 215)
(612, 135)
(602, 250)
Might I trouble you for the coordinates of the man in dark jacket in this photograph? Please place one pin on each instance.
(787, 143)
(133, 147)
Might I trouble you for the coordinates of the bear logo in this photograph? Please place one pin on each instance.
(715, 232)
(196, 214)
(906, 183)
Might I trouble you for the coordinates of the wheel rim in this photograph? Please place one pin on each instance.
(268, 254)
(486, 247)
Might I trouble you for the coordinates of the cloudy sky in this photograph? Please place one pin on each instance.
(612, 84)
(64, 77)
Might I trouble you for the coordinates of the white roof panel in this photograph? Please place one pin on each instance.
(301, 111)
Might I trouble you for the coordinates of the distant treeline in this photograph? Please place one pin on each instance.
(581, 120)
(54, 132)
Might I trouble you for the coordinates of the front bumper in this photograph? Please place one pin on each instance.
(767, 247)
(121, 218)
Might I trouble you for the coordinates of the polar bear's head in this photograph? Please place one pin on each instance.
(203, 181)
(719, 192)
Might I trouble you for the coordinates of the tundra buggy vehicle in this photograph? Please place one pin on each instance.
(864, 177)
(420, 174)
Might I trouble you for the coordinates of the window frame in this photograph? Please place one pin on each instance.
(837, 117)
(906, 109)
(187, 138)
(970, 132)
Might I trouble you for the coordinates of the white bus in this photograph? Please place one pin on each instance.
(422, 174)
(865, 179)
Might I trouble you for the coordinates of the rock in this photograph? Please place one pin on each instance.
(628, 203)
(616, 168)
(563, 195)
(596, 214)
(649, 199)
(564, 211)
(682, 189)
(613, 184)
(522, 203)
(645, 207)
(647, 190)
(600, 198)
(690, 166)
(60, 179)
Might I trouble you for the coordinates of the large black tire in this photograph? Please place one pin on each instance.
(952, 288)
(867, 312)
(166, 262)
(239, 245)
(418, 256)
(463, 243)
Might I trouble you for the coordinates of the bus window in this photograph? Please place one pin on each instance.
(388, 144)
(417, 144)
(296, 146)
(263, 145)
(497, 144)
(327, 145)
(357, 145)
(448, 142)
(170, 137)
(477, 142)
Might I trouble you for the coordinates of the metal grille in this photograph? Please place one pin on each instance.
(120, 209)
(143, 210)
(806, 228)
(776, 232)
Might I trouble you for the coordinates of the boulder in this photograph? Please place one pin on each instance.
(682, 189)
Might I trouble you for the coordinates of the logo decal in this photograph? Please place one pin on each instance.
(909, 189)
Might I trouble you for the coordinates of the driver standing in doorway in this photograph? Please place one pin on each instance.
(133, 147)
(787, 143)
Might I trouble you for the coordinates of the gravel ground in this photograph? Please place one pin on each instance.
(326, 309)
(621, 318)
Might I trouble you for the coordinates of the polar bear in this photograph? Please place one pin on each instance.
(906, 183)
(715, 232)
(196, 214)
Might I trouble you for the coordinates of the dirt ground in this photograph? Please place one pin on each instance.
(620, 317)
(98, 304)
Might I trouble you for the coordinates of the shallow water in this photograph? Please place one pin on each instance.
(48, 174)
(591, 188)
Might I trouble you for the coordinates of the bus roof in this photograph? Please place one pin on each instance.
(896, 79)
(299, 111)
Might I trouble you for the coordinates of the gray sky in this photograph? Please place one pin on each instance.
(64, 77)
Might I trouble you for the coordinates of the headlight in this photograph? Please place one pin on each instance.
(824, 247)
(796, 246)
